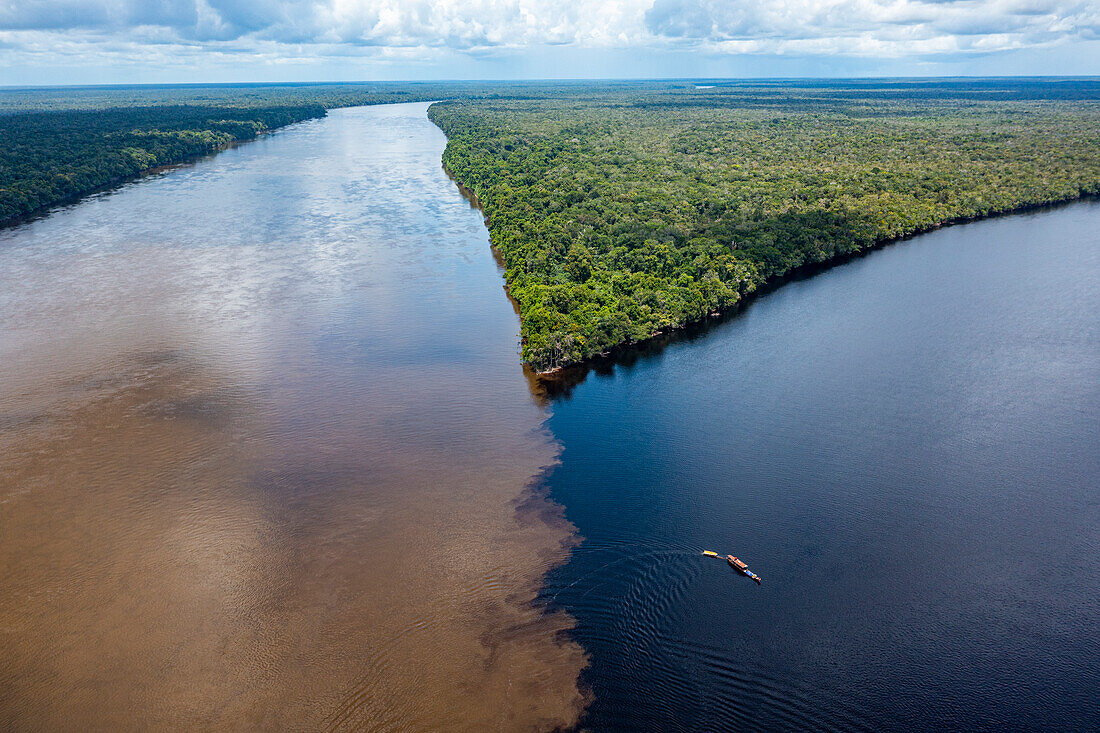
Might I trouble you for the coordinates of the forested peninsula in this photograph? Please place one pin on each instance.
(624, 211)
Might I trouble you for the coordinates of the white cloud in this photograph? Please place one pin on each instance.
(81, 31)
(859, 27)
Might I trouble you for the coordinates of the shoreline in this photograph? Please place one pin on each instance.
(799, 273)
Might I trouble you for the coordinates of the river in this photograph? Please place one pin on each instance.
(268, 461)
(265, 452)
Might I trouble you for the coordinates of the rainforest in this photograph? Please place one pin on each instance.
(625, 211)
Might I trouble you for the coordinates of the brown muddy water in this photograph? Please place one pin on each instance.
(266, 449)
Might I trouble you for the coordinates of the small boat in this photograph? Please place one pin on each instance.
(742, 568)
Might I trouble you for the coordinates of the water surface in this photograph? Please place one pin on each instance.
(906, 448)
(264, 445)
(265, 448)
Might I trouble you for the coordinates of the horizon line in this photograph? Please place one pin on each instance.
(559, 80)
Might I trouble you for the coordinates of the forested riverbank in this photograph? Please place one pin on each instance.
(48, 158)
(632, 211)
(57, 145)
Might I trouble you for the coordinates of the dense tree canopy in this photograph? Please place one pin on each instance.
(624, 211)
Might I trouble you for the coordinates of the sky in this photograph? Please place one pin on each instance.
(46, 42)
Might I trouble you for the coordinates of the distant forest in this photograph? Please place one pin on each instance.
(623, 209)
(622, 212)
(59, 144)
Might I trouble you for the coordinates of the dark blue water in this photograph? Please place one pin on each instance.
(905, 448)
